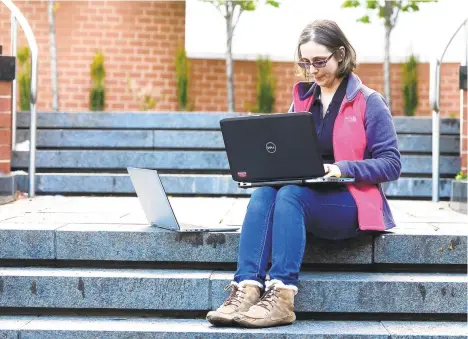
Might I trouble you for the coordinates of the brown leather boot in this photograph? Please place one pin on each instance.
(241, 298)
(276, 307)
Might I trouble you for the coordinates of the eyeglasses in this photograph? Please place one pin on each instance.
(305, 63)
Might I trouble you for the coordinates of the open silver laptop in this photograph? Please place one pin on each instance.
(156, 205)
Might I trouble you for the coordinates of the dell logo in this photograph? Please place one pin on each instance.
(270, 147)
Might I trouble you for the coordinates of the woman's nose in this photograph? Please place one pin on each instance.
(312, 69)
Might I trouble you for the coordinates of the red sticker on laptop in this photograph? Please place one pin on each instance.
(242, 174)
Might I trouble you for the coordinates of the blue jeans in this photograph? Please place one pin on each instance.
(276, 223)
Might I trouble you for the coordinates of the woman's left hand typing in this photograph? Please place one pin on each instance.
(331, 171)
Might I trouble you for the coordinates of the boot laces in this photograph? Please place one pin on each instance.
(235, 296)
(268, 299)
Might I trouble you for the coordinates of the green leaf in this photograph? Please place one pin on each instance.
(273, 3)
(365, 19)
(247, 5)
(372, 4)
(350, 4)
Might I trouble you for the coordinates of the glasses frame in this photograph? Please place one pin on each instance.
(317, 64)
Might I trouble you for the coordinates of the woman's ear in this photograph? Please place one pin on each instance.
(342, 53)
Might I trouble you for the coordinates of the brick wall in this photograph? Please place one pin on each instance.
(5, 127)
(139, 41)
(208, 90)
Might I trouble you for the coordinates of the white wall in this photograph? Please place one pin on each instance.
(274, 31)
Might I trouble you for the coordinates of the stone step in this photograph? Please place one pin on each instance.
(184, 160)
(81, 327)
(192, 120)
(190, 290)
(199, 184)
(144, 139)
(106, 237)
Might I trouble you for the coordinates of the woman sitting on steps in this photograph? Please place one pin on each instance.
(358, 140)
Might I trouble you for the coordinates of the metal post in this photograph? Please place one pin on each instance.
(33, 124)
(33, 98)
(466, 97)
(14, 32)
(435, 103)
(435, 96)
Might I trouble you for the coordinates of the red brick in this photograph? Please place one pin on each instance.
(5, 152)
(5, 88)
(5, 104)
(5, 137)
(5, 120)
(5, 167)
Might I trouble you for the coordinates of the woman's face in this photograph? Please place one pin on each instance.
(312, 52)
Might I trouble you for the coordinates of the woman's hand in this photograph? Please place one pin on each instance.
(331, 171)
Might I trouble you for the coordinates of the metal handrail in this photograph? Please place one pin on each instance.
(16, 15)
(435, 105)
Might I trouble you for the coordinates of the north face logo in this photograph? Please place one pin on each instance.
(350, 118)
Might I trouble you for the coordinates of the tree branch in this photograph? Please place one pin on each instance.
(217, 6)
(238, 17)
(394, 19)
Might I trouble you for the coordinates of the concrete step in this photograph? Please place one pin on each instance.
(184, 160)
(147, 139)
(193, 120)
(151, 289)
(93, 237)
(197, 184)
(76, 327)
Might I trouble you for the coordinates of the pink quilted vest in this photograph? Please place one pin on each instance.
(349, 143)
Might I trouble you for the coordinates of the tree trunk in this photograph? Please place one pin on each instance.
(229, 65)
(53, 57)
(387, 78)
(388, 14)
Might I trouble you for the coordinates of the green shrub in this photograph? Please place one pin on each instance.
(266, 84)
(98, 93)
(24, 78)
(182, 65)
(461, 176)
(410, 86)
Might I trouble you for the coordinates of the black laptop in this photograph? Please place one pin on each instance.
(274, 149)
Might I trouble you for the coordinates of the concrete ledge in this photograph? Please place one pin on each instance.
(27, 241)
(10, 325)
(203, 290)
(371, 292)
(185, 160)
(431, 248)
(104, 288)
(198, 184)
(110, 242)
(190, 140)
(459, 199)
(193, 120)
(7, 188)
(52, 327)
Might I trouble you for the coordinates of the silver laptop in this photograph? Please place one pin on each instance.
(156, 205)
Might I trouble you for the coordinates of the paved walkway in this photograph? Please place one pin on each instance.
(411, 216)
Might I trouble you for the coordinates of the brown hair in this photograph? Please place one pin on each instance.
(330, 35)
